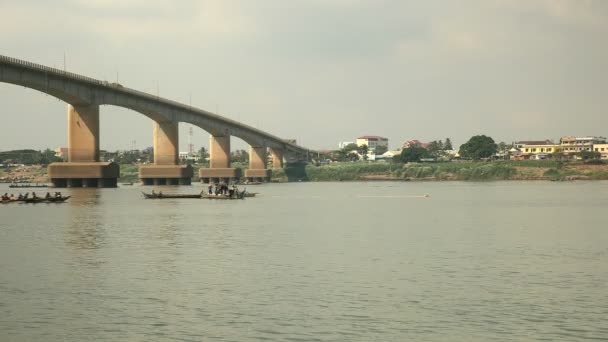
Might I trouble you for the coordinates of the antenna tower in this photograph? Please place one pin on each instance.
(190, 145)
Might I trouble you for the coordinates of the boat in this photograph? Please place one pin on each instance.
(57, 199)
(160, 195)
(28, 185)
(238, 196)
(129, 183)
(250, 194)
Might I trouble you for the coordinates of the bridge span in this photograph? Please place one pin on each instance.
(84, 96)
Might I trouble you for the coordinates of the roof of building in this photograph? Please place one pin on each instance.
(535, 142)
(372, 137)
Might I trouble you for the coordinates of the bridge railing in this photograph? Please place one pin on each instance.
(118, 87)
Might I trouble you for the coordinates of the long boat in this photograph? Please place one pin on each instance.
(28, 185)
(224, 197)
(160, 195)
(36, 200)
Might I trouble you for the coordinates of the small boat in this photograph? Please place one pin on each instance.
(160, 195)
(250, 194)
(129, 183)
(57, 199)
(237, 196)
(28, 185)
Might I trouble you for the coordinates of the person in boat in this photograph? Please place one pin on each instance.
(12, 197)
(153, 193)
(57, 194)
(34, 195)
(20, 196)
(210, 189)
(48, 195)
(160, 194)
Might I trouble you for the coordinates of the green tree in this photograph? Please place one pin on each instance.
(381, 149)
(587, 155)
(478, 147)
(413, 154)
(435, 148)
(502, 146)
(362, 150)
(350, 147)
(448, 144)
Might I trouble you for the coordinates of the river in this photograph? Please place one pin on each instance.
(361, 261)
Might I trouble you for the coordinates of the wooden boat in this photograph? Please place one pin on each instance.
(57, 199)
(28, 185)
(238, 196)
(160, 195)
(42, 199)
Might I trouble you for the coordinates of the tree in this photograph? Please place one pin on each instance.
(381, 149)
(435, 148)
(413, 154)
(448, 144)
(502, 146)
(478, 147)
(362, 150)
(587, 155)
(350, 147)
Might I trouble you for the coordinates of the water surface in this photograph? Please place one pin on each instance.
(377, 261)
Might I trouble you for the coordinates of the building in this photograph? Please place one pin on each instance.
(391, 154)
(61, 152)
(372, 142)
(602, 149)
(537, 151)
(519, 144)
(578, 144)
(410, 143)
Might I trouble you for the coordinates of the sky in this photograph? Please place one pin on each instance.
(320, 71)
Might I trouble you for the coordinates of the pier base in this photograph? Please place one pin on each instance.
(217, 175)
(166, 174)
(258, 175)
(84, 174)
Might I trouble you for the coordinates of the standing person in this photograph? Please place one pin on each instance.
(210, 189)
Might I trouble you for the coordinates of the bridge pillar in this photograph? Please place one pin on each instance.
(277, 158)
(219, 162)
(83, 168)
(165, 170)
(257, 171)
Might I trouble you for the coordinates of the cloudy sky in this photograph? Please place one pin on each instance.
(320, 71)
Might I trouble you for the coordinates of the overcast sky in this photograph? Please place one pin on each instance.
(320, 71)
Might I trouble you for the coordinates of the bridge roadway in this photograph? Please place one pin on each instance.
(84, 95)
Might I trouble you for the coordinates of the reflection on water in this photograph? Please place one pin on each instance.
(503, 261)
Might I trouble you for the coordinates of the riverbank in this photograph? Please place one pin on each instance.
(461, 171)
(360, 171)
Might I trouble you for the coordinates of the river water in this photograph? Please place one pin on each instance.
(496, 261)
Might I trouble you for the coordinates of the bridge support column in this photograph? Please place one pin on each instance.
(257, 171)
(277, 158)
(83, 168)
(165, 170)
(219, 162)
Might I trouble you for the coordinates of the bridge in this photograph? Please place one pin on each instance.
(84, 96)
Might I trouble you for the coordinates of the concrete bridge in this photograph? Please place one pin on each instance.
(84, 95)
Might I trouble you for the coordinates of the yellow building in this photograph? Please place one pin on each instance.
(538, 151)
(602, 149)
